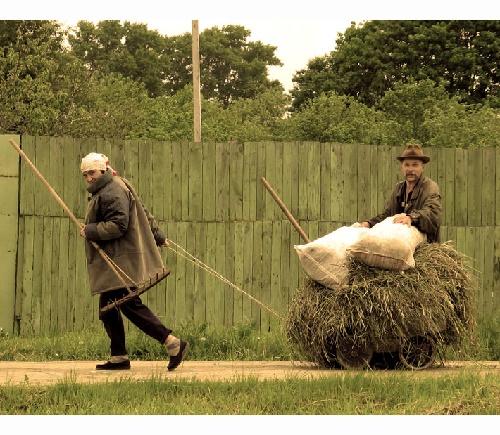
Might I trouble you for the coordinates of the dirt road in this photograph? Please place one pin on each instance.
(51, 372)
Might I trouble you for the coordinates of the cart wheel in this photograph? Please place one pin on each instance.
(417, 353)
(352, 355)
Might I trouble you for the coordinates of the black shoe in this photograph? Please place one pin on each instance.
(177, 359)
(108, 365)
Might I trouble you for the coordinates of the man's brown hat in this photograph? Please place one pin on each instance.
(413, 151)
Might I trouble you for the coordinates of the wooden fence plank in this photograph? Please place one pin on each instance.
(448, 189)
(27, 178)
(294, 175)
(336, 183)
(184, 181)
(460, 187)
(180, 283)
(55, 290)
(239, 256)
(220, 266)
(496, 271)
(160, 185)
(171, 294)
(487, 186)
(190, 246)
(274, 178)
(211, 281)
(250, 181)
(175, 182)
(195, 203)
(314, 181)
(441, 180)
(497, 184)
(261, 192)
(45, 294)
(364, 178)
(275, 273)
(325, 183)
(200, 276)
(247, 270)
(208, 185)
(303, 205)
(474, 180)
(374, 190)
(25, 291)
(267, 238)
(222, 182)
(350, 173)
(489, 263)
(228, 291)
(43, 200)
(236, 182)
(257, 268)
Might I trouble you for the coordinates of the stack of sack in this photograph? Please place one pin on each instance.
(386, 246)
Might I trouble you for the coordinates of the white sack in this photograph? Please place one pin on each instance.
(388, 245)
(325, 259)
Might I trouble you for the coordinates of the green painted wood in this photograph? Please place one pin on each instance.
(8, 251)
(386, 168)
(195, 203)
(209, 177)
(325, 184)
(212, 282)
(171, 263)
(489, 263)
(350, 173)
(294, 175)
(336, 183)
(286, 251)
(278, 213)
(247, 271)
(175, 182)
(261, 192)
(496, 273)
(222, 182)
(72, 279)
(189, 291)
(180, 277)
(314, 181)
(159, 182)
(488, 187)
(274, 179)
(364, 183)
(460, 187)
(185, 181)
(374, 190)
(276, 289)
(25, 287)
(144, 185)
(448, 189)
(27, 178)
(55, 176)
(46, 288)
(267, 238)
(474, 186)
(257, 270)
(200, 276)
(250, 181)
(497, 187)
(220, 267)
(236, 182)
(42, 197)
(479, 241)
(441, 180)
(230, 263)
(239, 262)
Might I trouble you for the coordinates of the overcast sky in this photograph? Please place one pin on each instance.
(300, 30)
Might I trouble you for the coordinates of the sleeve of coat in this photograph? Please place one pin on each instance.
(428, 218)
(158, 234)
(115, 211)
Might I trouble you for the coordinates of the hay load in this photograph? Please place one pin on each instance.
(412, 313)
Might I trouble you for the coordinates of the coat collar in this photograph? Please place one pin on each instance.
(106, 178)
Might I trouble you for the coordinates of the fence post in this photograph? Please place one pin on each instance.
(9, 217)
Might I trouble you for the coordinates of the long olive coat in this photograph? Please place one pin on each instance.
(118, 222)
(424, 207)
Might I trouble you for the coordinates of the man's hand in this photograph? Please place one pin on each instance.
(165, 243)
(82, 232)
(402, 219)
(364, 224)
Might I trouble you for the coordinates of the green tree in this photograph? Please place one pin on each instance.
(370, 58)
(331, 117)
(232, 67)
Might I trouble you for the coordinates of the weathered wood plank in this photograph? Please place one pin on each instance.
(460, 187)
(222, 182)
(175, 182)
(236, 182)
(220, 266)
(211, 281)
(487, 186)
(364, 179)
(350, 172)
(248, 261)
(314, 181)
(180, 278)
(474, 181)
(448, 189)
(230, 262)
(325, 183)
(267, 238)
(275, 274)
(195, 199)
(257, 267)
(209, 177)
(200, 276)
(336, 183)
(239, 256)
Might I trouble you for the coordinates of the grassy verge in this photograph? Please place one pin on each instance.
(240, 342)
(364, 393)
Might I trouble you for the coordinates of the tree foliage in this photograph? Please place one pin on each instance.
(232, 67)
(370, 58)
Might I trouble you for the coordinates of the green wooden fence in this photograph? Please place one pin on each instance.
(209, 199)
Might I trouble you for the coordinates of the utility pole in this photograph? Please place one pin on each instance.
(196, 82)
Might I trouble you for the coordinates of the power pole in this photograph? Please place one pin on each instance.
(196, 82)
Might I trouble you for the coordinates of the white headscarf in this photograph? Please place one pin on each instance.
(94, 162)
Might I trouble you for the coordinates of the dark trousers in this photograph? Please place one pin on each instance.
(138, 313)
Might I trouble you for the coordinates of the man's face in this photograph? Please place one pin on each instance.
(412, 169)
(91, 176)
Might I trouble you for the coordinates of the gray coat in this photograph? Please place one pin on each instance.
(119, 223)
